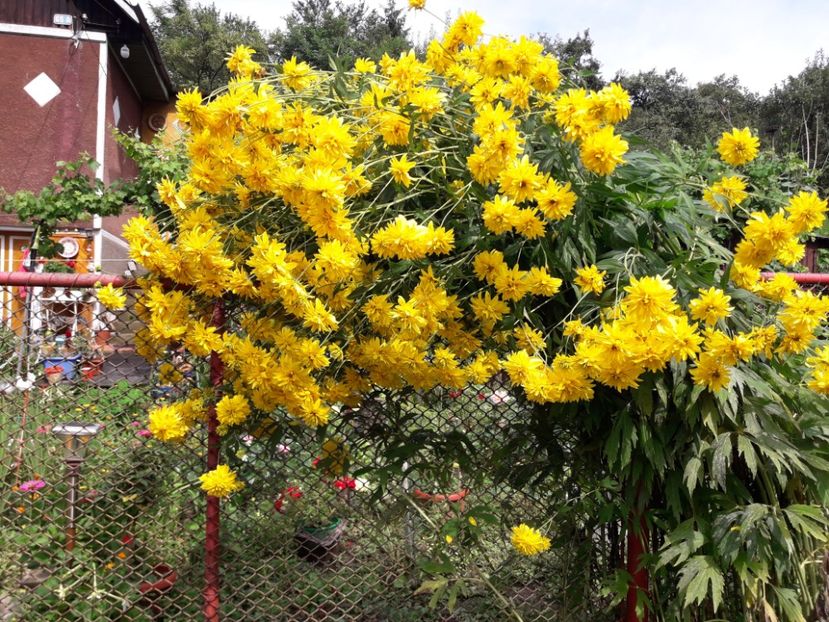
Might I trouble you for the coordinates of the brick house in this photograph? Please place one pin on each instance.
(74, 71)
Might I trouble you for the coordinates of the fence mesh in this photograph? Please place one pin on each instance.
(319, 532)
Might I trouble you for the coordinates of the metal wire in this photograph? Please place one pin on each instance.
(319, 532)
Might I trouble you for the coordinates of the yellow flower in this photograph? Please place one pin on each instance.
(167, 424)
(710, 373)
(473, 521)
(168, 374)
(615, 103)
(297, 76)
(711, 306)
(648, 299)
(732, 189)
(555, 200)
(232, 410)
(806, 211)
(111, 297)
(602, 151)
(528, 541)
(449, 539)
(220, 482)
(738, 147)
(365, 65)
(400, 168)
(499, 214)
(417, 4)
(590, 279)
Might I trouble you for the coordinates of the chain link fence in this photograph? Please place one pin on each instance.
(394, 513)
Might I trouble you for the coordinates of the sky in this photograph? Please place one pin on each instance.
(760, 41)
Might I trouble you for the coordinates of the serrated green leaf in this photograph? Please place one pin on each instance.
(695, 577)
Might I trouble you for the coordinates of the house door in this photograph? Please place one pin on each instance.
(12, 301)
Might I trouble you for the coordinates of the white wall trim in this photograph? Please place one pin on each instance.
(47, 31)
(100, 146)
(115, 239)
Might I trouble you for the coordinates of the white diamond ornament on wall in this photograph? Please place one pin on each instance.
(42, 89)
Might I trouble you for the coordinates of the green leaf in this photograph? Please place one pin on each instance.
(746, 450)
(789, 604)
(809, 520)
(693, 473)
(695, 577)
(680, 544)
(431, 585)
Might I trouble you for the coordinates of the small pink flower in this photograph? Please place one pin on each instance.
(136, 424)
(32, 485)
(283, 449)
(43, 429)
(144, 433)
(501, 396)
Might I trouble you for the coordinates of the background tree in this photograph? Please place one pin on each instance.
(666, 108)
(795, 116)
(317, 31)
(194, 41)
(576, 58)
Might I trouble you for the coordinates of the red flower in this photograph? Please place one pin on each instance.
(315, 461)
(291, 492)
(345, 482)
(127, 539)
(481, 396)
(455, 393)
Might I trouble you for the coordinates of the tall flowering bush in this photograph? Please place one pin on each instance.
(417, 223)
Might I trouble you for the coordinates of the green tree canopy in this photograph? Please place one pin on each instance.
(666, 108)
(795, 116)
(317, 31)
(194, 40)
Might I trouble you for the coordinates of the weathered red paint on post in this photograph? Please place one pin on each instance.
(636, 545)
(804, 278)
(212, 574)
(62, 279)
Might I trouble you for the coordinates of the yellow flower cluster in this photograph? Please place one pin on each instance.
(349, 271)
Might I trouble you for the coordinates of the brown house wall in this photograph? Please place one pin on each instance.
(118, 165)
(34, 138)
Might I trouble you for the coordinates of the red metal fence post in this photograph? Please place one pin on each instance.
(637, 547)
(211, 536)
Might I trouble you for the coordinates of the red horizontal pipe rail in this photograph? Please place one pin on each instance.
(805, 278)
(61, 279)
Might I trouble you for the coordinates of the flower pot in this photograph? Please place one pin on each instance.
(91, 368)
(54, 374)
(67, 363)
(317, 543)
(458, 497)
(102, 337)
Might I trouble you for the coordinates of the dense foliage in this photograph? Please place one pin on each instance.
(437, 221)
(320, 31)
(193, 40)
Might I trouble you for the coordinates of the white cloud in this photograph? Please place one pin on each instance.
(761, 41)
